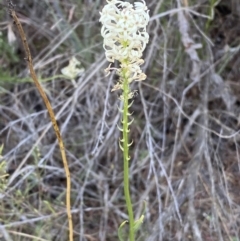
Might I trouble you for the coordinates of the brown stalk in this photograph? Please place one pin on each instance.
(51, 114)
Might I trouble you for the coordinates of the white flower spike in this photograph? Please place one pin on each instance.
(125, 36)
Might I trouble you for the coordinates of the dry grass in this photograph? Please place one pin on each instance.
(185, 156)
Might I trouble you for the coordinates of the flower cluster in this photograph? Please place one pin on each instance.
(125, 36)
(72, 70)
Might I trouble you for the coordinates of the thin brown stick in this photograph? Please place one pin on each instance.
(51, 114)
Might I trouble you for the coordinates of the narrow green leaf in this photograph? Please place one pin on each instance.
(1, 149)
(138, 222)
(120, 232)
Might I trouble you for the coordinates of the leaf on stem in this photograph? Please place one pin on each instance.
(120, 231)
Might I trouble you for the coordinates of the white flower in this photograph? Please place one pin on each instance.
(140, 6)
(11, 36)
(72, 70)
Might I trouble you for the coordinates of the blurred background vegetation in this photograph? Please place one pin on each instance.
(185, 154)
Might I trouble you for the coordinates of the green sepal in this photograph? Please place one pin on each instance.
(119, 128)
(130, 122)
(129, 105)
(120, 110)
(121, 147)
(130, 143)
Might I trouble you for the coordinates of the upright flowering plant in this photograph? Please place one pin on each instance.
(125, 38)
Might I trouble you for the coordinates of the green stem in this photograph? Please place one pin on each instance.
(126, 157)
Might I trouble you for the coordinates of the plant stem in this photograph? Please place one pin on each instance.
(126, 157)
